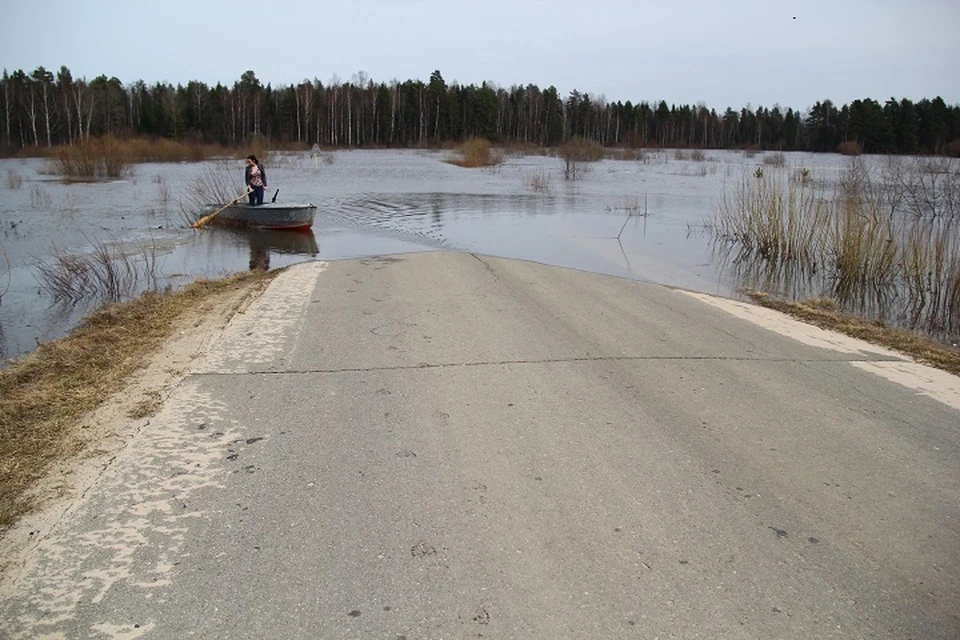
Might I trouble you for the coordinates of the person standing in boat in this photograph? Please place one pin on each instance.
(256, 179)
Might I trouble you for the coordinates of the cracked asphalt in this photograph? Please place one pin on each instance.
(447, 445)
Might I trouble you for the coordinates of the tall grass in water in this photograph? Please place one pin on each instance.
(112, 157)
(14, 180)
(105, 274)
(861, 241)
(773, 218)
(863, 245)
(931, 273)
(92, 159)
(219, 183)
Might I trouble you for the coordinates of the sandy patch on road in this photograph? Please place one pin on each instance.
(106, 432)
(121, 515)
(896, 367)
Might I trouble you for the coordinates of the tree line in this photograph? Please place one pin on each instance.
(44, 109)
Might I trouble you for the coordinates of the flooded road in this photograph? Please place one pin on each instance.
(646, 219)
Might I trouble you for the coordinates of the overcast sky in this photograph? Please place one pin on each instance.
(720, 52)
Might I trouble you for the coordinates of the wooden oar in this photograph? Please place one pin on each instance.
(210, 216)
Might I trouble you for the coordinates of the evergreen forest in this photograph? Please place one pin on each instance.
(45, 109)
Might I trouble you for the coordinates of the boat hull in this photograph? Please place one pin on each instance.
(271, 215)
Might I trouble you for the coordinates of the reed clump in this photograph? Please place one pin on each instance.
(539, 182)
(114, 157)
(868, 244)
(849, 148)
(164, 150)
(777, 159)
(476, 152)
(219, 183)
(14, 179)
(773, 218)
(92, 159)
(106, 273)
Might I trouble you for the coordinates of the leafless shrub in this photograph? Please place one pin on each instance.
(39, 198)
(697, 155)
(319, 154)
(163, 190)
(777, 160)
(849, 148)
(477, 152)
(632, 204)
(106, 274)
(636, 154)
(70, 203)
(921, 187)
(576, 153)
(259, 146)
(92, 159)
(219, 183)
(539, 182)
(14, 180)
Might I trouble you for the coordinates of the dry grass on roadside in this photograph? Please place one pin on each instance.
(924, 350)
(44, 396)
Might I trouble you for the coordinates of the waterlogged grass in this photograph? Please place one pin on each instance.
(867, 246)
(107, 273)
(113, 157)
(774, 218)
(44, 396)
(822, 315)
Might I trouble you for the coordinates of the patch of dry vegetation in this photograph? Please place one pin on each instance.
(849, 148)
(44, 396)
(113, 157)
(892, 243)
(822, 315)
(476, 152)
(577, 153)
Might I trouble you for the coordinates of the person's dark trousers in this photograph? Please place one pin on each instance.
(256, 196)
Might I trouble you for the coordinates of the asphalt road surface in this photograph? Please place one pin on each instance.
(448, 445)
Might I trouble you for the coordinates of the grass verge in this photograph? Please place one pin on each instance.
(44, 396)
(911, 344)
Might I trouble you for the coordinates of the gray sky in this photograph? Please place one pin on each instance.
(722, 53)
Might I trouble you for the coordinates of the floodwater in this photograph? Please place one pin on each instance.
(645, 219)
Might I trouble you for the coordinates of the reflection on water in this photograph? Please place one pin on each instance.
(263, 243)
(909, 279)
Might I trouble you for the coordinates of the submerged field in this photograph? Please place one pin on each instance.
(702, 221)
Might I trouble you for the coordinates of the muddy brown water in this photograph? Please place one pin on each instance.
(643, 219)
